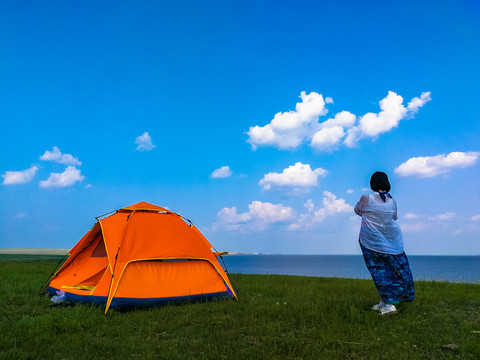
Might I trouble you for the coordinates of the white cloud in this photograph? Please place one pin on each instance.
(259, 216)
(392, 111)
(350, 191)
(270, 213)
(57, 156)
(445, 217)
(296, 176)
(229, 219)
(416, 223)
(327, 138)
(19, 177)
(354, 134)
(221, 173)
(411, 216)
(436, 165)
(144, 142)
(417, 102)
(290, 129)
(69, 177)
(345, 119)
(416, 227)
(448, 216)
(331, 207)
(475, 218)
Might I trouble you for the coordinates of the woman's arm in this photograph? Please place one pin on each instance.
(361, 205)
(395, 214)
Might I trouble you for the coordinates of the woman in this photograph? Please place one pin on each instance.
(382, 246)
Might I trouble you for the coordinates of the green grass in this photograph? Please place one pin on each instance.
(276, 317)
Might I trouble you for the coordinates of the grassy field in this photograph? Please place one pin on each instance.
(276, 317)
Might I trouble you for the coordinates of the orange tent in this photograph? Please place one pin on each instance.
(141, 255)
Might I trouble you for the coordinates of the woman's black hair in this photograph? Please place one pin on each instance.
(379, 181)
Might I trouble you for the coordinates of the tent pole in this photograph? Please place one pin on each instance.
(113, 272)
(111, 212)
(115, 264)
(44, 287)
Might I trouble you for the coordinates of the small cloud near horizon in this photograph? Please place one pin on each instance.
(417, 223)
(260, 216)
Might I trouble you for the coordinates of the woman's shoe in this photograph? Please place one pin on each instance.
(379, 306)
(388, 310)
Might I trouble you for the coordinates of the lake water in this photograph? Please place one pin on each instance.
(436, 268)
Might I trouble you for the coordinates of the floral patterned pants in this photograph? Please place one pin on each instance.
(391, 274)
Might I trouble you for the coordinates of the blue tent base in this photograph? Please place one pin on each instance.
(132, 303)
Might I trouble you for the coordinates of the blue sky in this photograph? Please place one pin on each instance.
(260, 121)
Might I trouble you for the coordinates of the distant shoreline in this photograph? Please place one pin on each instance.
(25, 251)
(34, 251)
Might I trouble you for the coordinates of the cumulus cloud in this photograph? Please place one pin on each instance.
(221, 173)
(291, 129)
(19, 177)
(417, 102)
(144, 142)
(430, 166)
(69, 177)
(229, 219)
(56, 156)
(270, 213)
(295, 176)
(392, 111)
(331, 207)
(260, 216)
(344, 119)
(327, 138)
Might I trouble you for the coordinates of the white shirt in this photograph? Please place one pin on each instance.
(379, 230)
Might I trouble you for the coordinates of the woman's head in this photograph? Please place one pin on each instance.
(379, 181)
